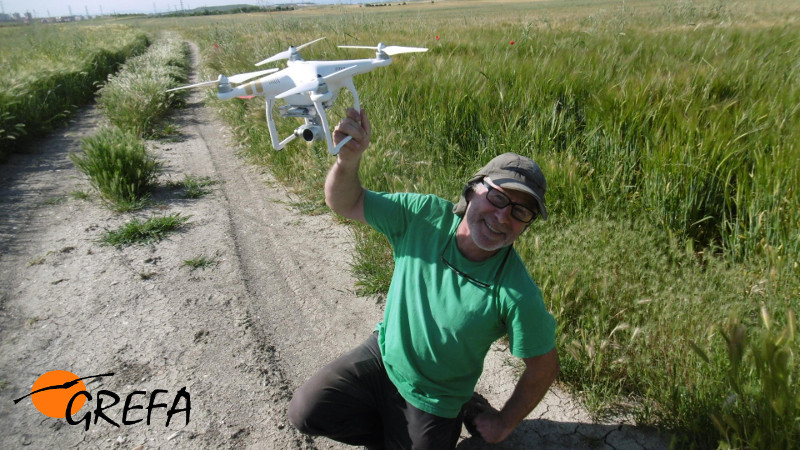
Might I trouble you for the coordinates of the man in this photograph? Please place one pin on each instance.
(458, 285)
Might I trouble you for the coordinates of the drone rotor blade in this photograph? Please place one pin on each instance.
(286, 54)
(396, 50)
(242, 77)
(204, 83)
(309, 43)
(390, 50)
(276, 57)
(310, 86)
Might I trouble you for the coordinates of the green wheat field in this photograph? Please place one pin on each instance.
(668, 132)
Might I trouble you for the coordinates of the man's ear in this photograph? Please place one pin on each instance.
(469, 194)
(470, 191)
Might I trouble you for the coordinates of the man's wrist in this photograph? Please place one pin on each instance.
(350, 163)
(508, 421)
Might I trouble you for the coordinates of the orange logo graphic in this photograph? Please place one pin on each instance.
(53, 390)
(56, 391)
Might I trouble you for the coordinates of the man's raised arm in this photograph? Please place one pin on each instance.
(344, 193)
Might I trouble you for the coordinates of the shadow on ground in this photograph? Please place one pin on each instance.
(548, 434)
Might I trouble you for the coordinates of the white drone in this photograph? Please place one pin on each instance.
(308, 87)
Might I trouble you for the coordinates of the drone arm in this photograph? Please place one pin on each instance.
(273, 131)
(326, 129)
(356, 105)
(352, 88)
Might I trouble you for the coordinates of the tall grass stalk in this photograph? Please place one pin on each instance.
(762, 407)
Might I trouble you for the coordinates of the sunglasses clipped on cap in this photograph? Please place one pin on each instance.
(501, 200)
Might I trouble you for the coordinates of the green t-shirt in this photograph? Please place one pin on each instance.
(439, 324)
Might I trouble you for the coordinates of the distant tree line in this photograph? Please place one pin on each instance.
(229, 10)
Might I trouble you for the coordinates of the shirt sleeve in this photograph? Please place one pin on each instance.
(531, 328)
(390, 213)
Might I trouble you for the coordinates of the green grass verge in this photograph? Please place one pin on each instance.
(135, 99)
(48, 71)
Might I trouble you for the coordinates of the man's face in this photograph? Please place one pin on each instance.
(490, 227)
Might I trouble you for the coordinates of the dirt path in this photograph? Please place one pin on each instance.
(238, 336)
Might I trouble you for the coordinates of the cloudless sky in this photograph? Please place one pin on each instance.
(50, 8)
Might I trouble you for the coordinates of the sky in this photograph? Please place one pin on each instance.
(50, 8)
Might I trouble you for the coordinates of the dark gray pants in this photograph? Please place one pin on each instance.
(351, 400)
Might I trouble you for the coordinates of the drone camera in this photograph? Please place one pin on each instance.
(310, 132)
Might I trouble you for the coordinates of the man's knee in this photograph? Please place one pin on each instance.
(301, 414)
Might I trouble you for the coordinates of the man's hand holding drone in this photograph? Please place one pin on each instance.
(356, 125)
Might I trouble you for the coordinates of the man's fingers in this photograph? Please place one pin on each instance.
(353, 114)
(365, 122)
(350, 127)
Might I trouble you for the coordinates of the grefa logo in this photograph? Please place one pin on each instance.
(61, 395)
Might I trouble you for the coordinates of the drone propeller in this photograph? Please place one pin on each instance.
(286, 54)
(240, 78)
(390, 50)
(204, 83)
(319, 81)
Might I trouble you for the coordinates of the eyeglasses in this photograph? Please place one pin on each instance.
(501, 200)
(459, 272)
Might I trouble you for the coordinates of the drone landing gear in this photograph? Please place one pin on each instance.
(315, 127)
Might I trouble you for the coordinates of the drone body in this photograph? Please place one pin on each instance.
(308, 87)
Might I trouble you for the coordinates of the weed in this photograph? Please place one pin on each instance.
(139, 231)
(197, 187)
(200, 262)
(39, 260)
(54, 201)
(80, 195)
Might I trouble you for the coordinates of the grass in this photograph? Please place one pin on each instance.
(135, 99)
(669, 136)
(47, 71)
(200, 262)
(119, 167)
(139, 231)
(194, 187)
(79, 195)
(771, 403)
